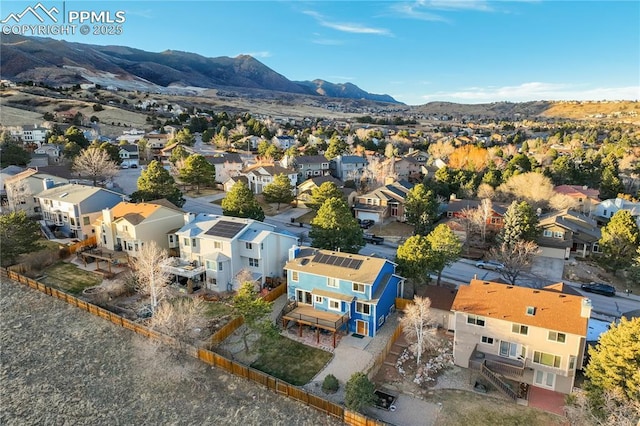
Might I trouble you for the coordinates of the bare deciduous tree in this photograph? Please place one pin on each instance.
(534, 188)
(150, 273)
(18, 193)
(418, 325)
(486, 191)
(485, 211)
(182, 319)
(514, 257)
(95, 163)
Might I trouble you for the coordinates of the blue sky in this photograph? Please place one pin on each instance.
(465, 51)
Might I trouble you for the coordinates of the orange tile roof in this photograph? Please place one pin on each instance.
(553, 310)
(134, 212)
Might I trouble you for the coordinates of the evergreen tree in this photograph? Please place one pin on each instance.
(359, 392)
(614, 363)
(279, 191)
(18, 235)
(610, 185)
(336, 147)
(412, 258)
(13, 154)
(619, 241)
(154, 183)
(197, 171)
(253, 309)
(322, 193)
(240, 202)
(444, 249)
(178, 153)
(421, 209)
(334, 228)
(520, 223)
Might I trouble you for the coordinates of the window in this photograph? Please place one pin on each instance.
(125, 228)
(334, 305)
(248, 246)
(596, 248)
(85, 220)
(358, 288)
(380, 320)
(185, 241)
(303, 296)
(510, 350)
(496, 220)
(319, 299)
(547, 359)
(210, 264)
(487, 340)
(572, 362)
(65, 218)
(219, 266)
(545, 378)
(519, 329)
(547, 233)
(253, 262)
(332, 282)
(193, 242)
(136, 246)
(73, 221)
(294, 275)
(475, 320)
(558, 234)
(557, 337)
(171, 238)
(217, 245)
(531, 310)
(363, 308)
(449, 214)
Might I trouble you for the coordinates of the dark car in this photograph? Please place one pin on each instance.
(366, 223)
(373, 239)
(599, 288)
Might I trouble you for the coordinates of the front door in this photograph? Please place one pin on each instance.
(362, 328)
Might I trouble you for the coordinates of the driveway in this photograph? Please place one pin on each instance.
(548, 267)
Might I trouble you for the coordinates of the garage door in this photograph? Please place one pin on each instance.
(556, 253)
(367, 215)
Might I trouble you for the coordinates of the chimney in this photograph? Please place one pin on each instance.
(47, 183)
(293, 252)
(388, 180)
(189, 217)
(107, 216)
(585, 310)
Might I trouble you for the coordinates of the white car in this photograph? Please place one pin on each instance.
(491, 265)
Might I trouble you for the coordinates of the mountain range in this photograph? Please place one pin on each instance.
(56, 62)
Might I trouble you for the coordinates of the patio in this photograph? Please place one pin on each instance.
(317, 320)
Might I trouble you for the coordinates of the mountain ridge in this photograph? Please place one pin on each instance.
(62, 62)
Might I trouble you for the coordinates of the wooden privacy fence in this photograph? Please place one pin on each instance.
(373, 370)
(207, 356)
(91, 241)
(401, 304)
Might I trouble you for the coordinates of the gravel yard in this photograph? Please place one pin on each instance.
(61, 365)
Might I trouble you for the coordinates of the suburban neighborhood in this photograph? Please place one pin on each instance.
(368, 262)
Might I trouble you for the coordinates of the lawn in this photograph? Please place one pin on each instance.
(217, 309)
(392, 229)
(69, 278)
(203, 192)
(463, 407)
(291, 361)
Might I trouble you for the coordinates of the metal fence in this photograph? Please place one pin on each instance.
(207, 356)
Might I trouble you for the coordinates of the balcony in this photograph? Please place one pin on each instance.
(507, 367)
(182, 268)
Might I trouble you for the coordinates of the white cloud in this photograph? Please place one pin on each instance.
(414, 11)
(347, 27)
(535, 91)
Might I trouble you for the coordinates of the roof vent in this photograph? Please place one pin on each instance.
(64, 195)
(531, 310)
(509, 287)
(536, 291)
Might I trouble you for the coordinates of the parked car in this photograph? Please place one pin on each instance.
(491, 265)
(373, 239)
(366, 223)
(599, 288)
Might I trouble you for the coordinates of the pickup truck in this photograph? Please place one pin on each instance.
(373, 239)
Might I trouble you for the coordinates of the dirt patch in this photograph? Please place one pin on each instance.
(84, 370)
(586, 271)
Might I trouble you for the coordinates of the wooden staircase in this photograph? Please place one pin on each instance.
(398, 347)
(496, 381)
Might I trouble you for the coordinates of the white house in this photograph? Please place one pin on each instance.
(29, 134)
(129, 155)
(260, 176)
(284, 142)
(607, 208)
(23, 188)
(348, 167)
(227, 165)
(214, 249)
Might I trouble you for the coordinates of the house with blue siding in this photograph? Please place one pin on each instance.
(340, 291)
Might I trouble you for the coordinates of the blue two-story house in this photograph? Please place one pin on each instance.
(334, 290)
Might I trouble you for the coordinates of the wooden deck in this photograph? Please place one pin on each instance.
(307, 315)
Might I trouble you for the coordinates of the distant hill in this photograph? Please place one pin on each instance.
(59, 62)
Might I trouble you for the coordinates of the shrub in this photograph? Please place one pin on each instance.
(359, 392)
(330, 384)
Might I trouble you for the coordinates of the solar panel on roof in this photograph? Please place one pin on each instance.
(343, 262)
(225, 229)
